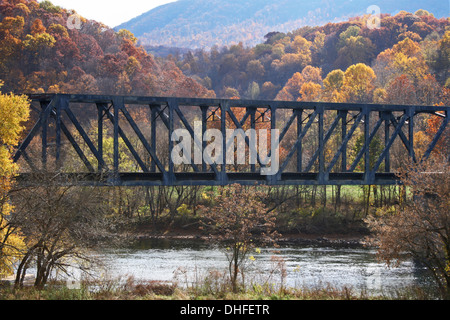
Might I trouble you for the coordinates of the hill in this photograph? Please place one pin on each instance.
(40, 52)
(205, 23)
(406, 60)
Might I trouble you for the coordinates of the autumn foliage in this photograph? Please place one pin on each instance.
(41, 52)
(14, 111)
(349, 61)
(238, 219)
(420, 228)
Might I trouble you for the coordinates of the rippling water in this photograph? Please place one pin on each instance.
(311, 267)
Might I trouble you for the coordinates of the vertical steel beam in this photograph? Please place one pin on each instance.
(204, 128)
(300, 137)
(154, 110)
(171, 106)
(53, 107)
(100, 112)
(224, 108)
(367, 141)
(398, 128)
(299, 114)
(252, 126)
(118, 103)
(273, 126)
(44, 125)
(411, 112)
(343, 147)
(325, 140)
(387, 161)
(343, 114)
(63, 103)
(323, 176)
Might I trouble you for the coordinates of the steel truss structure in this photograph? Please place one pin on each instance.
(318, 141)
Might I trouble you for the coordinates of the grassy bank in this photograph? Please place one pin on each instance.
(207, 289)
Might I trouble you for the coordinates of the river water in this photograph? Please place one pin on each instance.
(312, 267)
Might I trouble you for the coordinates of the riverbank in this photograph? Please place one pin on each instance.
(353, 239)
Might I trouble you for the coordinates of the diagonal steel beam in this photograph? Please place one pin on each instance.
(247, 139)
(325, 140)
(397, 131)
(51, 127)
(346, 140)
(57, 114)
(193, 136)
(437, 136)
(77, 148)
(128, 143)
(142, 139)
(34, 131)
(366, 145)
(300, 137)
(404, 139)
(84, 135)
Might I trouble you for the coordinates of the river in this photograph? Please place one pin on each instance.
(186, 261)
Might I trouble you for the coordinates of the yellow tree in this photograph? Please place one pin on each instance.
(359, 83)
(310, 91)
(14, 110)
(404, 58)
(333, 87)
(303, 48)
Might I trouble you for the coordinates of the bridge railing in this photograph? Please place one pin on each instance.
(130, 141)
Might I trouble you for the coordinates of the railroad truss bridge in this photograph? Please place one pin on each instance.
(131, 141)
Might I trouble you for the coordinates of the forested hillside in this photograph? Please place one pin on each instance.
(205, 23)
(39, 52)
(406, 60)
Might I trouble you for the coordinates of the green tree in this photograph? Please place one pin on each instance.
(443, 60)
(357, 49)
(50, 7)
(253, 91)
(255, 69)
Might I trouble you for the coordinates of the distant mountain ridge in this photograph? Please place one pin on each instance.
(205, 23)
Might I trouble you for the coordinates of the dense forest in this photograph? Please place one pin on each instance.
(39, 52)
(406, 60)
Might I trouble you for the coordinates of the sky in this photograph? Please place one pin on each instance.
(110, 12)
